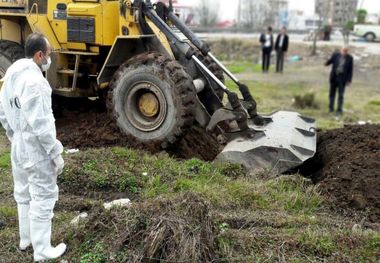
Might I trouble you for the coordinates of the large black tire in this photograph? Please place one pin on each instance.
(169, 88)
(9, 53)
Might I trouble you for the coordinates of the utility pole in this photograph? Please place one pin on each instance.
(361, 4)
(239, 13)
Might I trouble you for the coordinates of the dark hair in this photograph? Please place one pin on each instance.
(35, 42)
(270, 29)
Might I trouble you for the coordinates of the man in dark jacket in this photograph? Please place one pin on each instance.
(266, 41)
(340, 77)
(281, 47)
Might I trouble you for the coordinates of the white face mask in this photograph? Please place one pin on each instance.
(46, 66)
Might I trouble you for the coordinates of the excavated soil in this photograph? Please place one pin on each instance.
(83, 124)
(347, 167)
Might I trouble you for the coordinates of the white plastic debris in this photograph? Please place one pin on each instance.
(357, 229)
(120, 203)
(76, 219)
(70, 151)
(362, 123)
(144, 173)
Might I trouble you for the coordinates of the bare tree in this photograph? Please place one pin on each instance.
(346, 15)
(322, 9)
(340, 13)
(254, 13)
(316, 36)
(207, 12)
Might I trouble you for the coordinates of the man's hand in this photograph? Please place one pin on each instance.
(348, 83)
(59, 164)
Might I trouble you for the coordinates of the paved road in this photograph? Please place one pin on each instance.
(336, 40)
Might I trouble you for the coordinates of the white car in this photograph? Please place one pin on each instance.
(369, 32)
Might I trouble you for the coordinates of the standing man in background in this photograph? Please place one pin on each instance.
(266, 41)
(340, 77)
(281, 47)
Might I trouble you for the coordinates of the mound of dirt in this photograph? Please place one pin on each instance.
(83, 124)
(347, 167)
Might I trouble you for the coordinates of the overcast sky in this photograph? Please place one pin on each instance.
(228, 8)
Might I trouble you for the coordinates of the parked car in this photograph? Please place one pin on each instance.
(369, 32)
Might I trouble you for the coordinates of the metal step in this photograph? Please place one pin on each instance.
(74, 93)
(81, 53)
(69, 72)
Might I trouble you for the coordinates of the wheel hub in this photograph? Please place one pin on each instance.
(148, 104)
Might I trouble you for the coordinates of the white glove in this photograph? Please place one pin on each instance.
(59, 164)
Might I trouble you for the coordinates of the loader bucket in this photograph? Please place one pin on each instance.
(284, 142)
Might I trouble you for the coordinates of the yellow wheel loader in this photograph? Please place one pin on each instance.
(159, 77)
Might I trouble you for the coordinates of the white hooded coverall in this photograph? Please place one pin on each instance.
(26, 115)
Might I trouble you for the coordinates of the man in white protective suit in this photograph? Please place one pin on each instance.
(26, 115)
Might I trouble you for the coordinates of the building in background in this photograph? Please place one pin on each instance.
(336, 12)
(259, 14)
(279, 13)
(186, 12)
(373, 18)
(299, 21)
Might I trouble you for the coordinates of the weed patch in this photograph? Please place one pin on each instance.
(8, 211)
(5, 160)
(167, 229)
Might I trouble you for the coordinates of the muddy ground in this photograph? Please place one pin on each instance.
(86, 125)
(347, 168)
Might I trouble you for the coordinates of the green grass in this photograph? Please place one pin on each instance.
(97, 255)
(375, 103)
(242, 67)
(254, 215)
(258, 218)
(8, 211)
(272, 97)
(5, 160)
(222, 184)
(151, 179)
(320, 243)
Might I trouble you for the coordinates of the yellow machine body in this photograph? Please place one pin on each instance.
(90, 39)
(156, 89)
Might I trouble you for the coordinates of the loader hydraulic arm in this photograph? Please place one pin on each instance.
(280, 141)
(188, 51)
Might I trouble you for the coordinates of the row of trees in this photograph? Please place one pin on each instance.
(253, 14)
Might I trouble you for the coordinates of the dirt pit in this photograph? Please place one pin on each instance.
(83, 124)
(347, 167)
